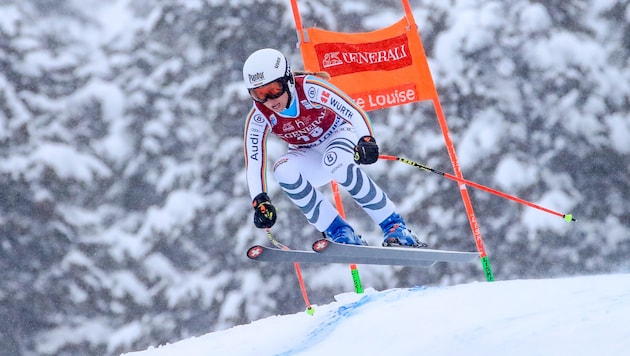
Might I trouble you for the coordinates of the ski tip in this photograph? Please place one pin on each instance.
(320, 245)
(568, 217)
(255, 251)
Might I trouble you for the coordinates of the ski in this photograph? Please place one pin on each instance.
(270, 254)
(326, 251)
(403, 254)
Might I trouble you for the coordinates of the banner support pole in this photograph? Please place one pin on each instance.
(472, 219)
(298, 22)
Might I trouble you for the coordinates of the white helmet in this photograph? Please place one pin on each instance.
(264, 66)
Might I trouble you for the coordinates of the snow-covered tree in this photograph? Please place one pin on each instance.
(124, 213)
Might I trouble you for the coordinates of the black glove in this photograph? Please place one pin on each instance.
(366, 150)
(264, 211)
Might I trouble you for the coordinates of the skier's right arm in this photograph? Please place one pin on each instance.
(255, 142)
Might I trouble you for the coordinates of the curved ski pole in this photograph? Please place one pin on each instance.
(298, 272)
(566, 217)
(274, 241)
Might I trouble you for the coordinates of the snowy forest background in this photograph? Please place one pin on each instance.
(124, 213)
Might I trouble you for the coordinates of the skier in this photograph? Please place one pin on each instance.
(328, 136)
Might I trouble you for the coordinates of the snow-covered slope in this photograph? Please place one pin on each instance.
(568, 316)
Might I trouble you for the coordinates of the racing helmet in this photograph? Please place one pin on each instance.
(266, 66)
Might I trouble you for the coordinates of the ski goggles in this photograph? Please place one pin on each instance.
(273, 90)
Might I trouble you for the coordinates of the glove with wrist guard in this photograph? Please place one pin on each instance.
(264, 211)
(366, 150)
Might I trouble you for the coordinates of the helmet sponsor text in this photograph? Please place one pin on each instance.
(256, 77)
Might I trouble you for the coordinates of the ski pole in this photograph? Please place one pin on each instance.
(566, 217)
(298, 272)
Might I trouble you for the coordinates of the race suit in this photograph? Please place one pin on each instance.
(321, 126)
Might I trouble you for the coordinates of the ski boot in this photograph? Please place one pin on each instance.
(397, 234)
(340, 232)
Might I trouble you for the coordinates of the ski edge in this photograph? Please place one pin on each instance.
(327, 247)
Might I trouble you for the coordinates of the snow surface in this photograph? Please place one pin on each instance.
(566, 316)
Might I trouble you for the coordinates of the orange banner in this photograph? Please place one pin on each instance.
(378, 69)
